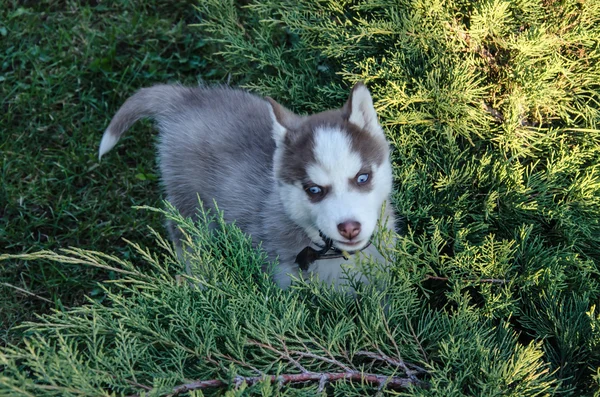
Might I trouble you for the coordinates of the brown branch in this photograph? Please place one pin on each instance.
(482, 280)
(323, 378)
(392, 382)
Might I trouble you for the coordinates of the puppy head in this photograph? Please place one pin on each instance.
(333, 169)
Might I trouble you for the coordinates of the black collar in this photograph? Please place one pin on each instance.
(308, 255)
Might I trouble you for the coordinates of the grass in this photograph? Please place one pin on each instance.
(65, 68)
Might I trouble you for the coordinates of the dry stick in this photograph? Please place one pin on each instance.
(483, 280)
(392, 382)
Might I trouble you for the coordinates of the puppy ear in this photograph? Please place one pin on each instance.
(283, 120)
(360, 111)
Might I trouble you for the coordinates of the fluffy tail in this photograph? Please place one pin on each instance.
(147, 102)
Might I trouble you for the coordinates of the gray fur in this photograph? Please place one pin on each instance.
(216, 142)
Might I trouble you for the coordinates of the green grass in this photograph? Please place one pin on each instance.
(66, 67)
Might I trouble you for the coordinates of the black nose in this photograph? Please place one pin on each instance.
(349, 229)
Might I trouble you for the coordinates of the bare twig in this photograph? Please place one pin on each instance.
(349, 374)
(392, 382)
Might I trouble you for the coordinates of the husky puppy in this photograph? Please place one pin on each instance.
(309, 187)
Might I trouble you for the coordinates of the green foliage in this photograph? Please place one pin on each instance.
(159, 329)
(492, 109)
(65, 67)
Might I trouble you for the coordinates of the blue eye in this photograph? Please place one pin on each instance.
(314, 190)
(362, 178)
